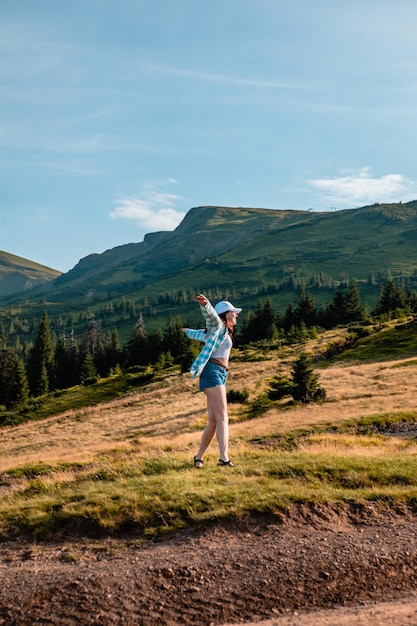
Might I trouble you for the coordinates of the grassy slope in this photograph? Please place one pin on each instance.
(355, 242)
(18, 274)
(250, 245)
(397, 340)
(127, 463)
(11, 262)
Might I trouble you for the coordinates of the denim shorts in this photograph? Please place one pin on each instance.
(212, 375)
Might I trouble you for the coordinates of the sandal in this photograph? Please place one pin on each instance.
(222, 463)
(198, 463)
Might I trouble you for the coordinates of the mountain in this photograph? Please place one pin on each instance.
(205, 235)
(239, 253)
(17, 274)
(219, 245)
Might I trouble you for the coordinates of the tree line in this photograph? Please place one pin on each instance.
(20, 327)
(59, 364)
(344, 308)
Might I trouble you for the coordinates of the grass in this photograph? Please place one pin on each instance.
(78, 397)
(397, 340)
(126, 465)
(163, 493)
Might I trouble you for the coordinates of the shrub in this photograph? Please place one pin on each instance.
(279, 387)
(237, 396)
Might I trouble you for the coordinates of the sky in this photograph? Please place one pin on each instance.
(116, 118)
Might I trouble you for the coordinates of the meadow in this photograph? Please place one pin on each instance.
(126, 464)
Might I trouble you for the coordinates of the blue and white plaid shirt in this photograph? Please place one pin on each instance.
(212, 338)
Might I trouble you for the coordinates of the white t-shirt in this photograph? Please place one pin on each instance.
(223, 351)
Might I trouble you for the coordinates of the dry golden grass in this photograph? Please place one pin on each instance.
(171, 413)
(353, 391)
(374, 446)
(129, 461)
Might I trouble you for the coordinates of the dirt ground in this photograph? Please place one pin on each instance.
(316, 567)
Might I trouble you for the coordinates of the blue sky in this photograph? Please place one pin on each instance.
(118, 117)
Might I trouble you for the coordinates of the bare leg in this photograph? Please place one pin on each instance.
(218, 422)
(206, 437)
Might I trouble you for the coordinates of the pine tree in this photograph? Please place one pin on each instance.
(174, 339)
(390, 299)
(40, 367)
(112, 351)
(155, 345)
(19, 384)
(305, 311)
(335, 313)
(93, 343)
(66, 362)
(245, 334)
(259, 325)
(187, 356)
(289, 318)
(353, 307)
(13, 381)
(305, 386)
(268, 321)
(88, 370)
(136, 349)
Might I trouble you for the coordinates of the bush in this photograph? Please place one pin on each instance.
(260, 405)
(237, 396)
(279, 387)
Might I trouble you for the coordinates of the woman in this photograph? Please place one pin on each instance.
(212, 365)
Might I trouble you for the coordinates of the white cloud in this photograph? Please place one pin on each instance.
(358, 188)
(153, 210)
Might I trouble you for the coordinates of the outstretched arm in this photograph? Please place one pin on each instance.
(198, 334)
(213, 321)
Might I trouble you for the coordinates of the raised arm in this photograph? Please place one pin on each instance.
(213, 321)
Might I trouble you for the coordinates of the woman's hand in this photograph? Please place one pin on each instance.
(201, 299)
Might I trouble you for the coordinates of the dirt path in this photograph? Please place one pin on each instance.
(285, 570)
(397, 613)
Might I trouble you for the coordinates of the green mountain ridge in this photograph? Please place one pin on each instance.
(239, 253)
(18, 274)
(205, 233)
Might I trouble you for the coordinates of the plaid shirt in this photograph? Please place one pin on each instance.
(215, 335)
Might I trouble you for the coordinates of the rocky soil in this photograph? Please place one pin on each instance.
(284, 569)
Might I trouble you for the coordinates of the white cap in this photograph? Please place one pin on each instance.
(224, 306)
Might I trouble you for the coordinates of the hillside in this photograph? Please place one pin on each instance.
(111, 519)
(250, 245)
(204, 236)
(238, 253)
(18, 274)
